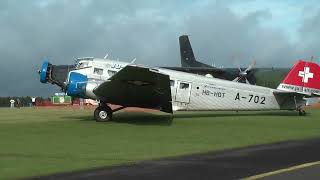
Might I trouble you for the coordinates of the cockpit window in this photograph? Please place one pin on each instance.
(82, 65)
(98, 71)
(111, 73)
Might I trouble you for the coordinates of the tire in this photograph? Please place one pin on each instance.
(302, 113)
(103, 114)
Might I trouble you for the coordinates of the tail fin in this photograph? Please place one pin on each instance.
(304, 77)
(186, 53)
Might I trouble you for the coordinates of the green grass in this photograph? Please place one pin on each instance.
(39, 141)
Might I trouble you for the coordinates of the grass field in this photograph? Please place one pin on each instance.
(43, 141)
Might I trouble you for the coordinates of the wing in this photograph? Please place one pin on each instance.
(135, 86)
(199, 70)
(221, 73)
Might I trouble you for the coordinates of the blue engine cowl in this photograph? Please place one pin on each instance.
(44, 72)
(76, 86)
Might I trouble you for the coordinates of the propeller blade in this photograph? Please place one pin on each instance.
(251, 66)
(236, 79)
(247, 81)
(244, 75)
(37, 69)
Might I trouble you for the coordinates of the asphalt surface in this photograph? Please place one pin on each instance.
(230, 164)
(312, 172)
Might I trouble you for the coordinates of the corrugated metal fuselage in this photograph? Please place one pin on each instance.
(196, 92)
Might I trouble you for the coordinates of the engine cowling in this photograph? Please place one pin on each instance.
(44, 72)
(91, 85)
(79, 86)
(54, 74)
(76, 86)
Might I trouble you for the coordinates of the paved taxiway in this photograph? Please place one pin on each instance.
(230, 164)
(303, 171)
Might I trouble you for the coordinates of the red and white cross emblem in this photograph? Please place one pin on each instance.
(305, 74)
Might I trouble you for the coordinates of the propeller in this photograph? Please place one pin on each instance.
(54, 74)
(37, 69)
(244, 75)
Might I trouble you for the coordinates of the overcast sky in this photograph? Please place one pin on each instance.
(276, 33)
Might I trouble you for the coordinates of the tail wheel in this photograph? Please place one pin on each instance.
(103, 114)
(302, 113)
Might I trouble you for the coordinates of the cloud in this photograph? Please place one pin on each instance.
(146, 30)
(309, 32)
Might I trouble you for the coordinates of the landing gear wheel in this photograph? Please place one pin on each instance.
(302, 112)
(103, 114)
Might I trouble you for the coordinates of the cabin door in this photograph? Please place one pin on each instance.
(183, 92)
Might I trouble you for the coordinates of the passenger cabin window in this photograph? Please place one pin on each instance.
(184, 85)
(98, 71)
(111, 73)
(172, 82)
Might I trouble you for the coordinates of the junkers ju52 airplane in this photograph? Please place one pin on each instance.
(130, 85)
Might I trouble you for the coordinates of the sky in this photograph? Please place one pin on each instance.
(226, 33)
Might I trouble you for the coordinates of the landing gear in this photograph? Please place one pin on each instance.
(300, 108)
(103, 113)
(302, 112)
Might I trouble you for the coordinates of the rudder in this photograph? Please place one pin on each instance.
(186, 52)
(304, 77)
(187, 55)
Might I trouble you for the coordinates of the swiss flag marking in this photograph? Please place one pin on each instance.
(306, 74)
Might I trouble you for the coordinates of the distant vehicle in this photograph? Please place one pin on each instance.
(269, 77)
(130, 85)
(91, 102)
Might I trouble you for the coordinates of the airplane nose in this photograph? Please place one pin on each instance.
(44, 71)
(76, 86)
